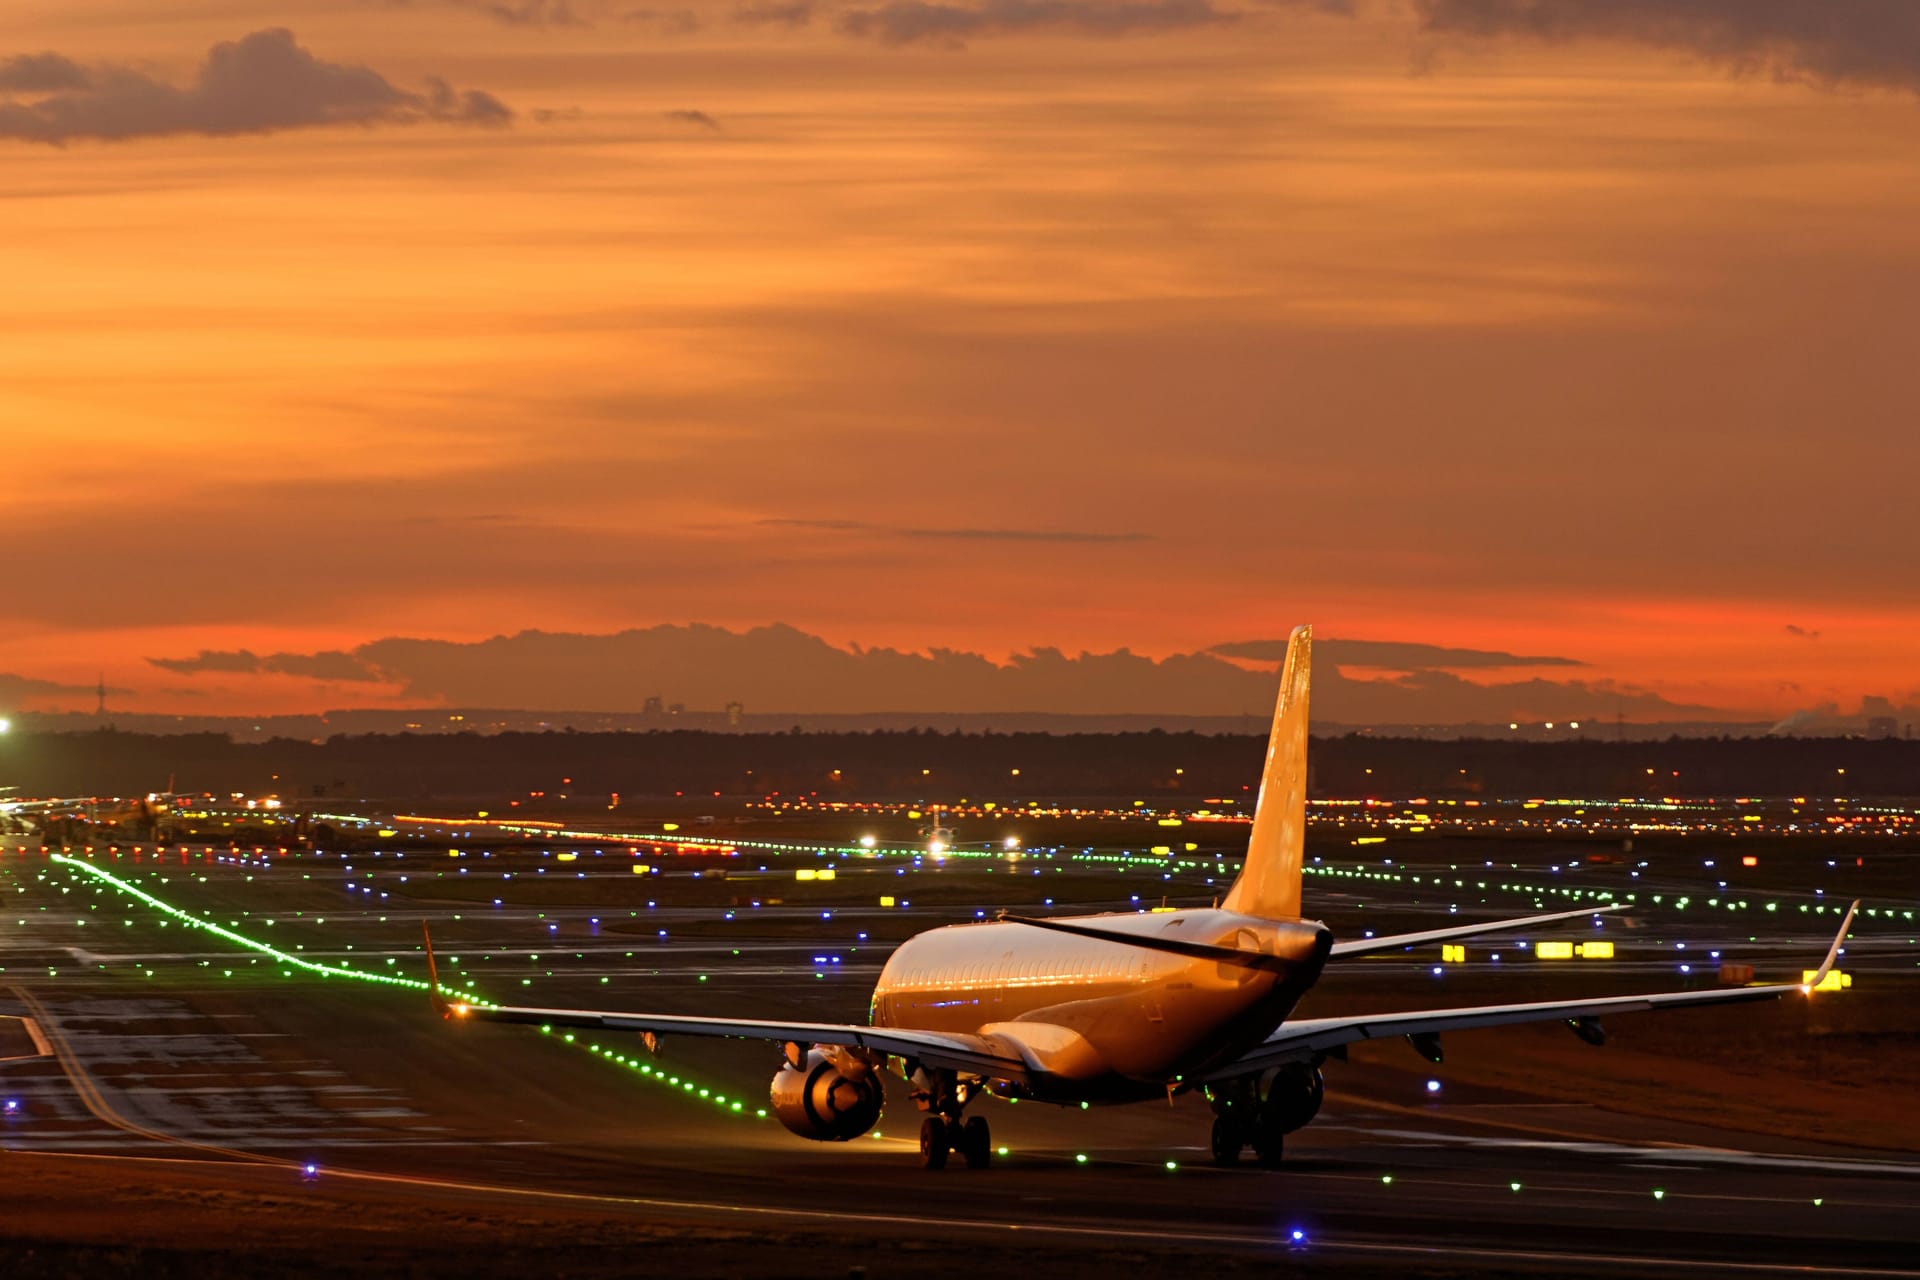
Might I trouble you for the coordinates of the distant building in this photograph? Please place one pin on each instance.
(1882, 727)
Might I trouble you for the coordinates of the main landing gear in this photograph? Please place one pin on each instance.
(1260, 1111)
(971, 1140)
(943, 1097)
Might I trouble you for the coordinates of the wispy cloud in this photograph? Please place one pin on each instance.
(1392, 655)
(329, 664)
(530, 13)
(15, 689)
(774, 14)
(699, 119)
(976, 534)
(262, 83)
(901, 22)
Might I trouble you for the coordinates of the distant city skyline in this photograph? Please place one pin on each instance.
(1578, 328)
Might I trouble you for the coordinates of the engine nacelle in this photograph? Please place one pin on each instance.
(828, 1099)
(1291, 1096)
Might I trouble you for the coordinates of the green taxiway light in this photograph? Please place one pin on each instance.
(343, 971)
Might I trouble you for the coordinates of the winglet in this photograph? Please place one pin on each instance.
(1833, 952)
(440, 1005)
(1269, 882)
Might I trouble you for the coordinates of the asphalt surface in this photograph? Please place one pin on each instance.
(169, 1040)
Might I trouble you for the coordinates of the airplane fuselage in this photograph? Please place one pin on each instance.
(1100, 1021)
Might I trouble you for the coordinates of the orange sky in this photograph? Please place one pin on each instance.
(1580, 347)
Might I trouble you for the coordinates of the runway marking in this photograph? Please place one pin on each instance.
(1670, 1152)
(1429, 1113)
(93, 1100)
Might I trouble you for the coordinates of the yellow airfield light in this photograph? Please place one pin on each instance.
(1163, 848)
(1168, 822)
(641, 868)
(1568, 950)
(1453, 953)
(1370, 840)
(1834, 981)
(567, 857)
(669, 826)
(886, 899)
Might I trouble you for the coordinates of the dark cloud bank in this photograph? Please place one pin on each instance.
(781, 669)
(260, 83)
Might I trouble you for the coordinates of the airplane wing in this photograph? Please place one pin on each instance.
(1156, 942)
(980, 1055)
(1397, 941)
(1302, 1040)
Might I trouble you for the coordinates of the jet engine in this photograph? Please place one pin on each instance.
(1290, 1097)
(829, 1095)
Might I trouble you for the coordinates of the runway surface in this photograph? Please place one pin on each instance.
(169, 1040)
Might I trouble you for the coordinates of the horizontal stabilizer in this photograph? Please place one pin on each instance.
(1399, 941)
(1159, 942)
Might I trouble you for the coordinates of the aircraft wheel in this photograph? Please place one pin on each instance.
(1227, 1141)
(933, 1142)
(977, 1142)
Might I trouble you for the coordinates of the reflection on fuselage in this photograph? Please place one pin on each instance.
(1153, 1015)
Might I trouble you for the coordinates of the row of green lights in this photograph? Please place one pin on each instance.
(683, 1085)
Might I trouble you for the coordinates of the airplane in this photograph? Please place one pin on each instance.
(1121, 1008)
(81, 818)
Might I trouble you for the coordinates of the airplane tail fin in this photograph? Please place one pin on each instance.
(1269, 883)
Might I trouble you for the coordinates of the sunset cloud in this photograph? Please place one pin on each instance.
(774, 14)
(1826, 42)
(1390, 655)
(781, 668)
(261, 83)
(16, 690)
(331, 664)
(920, 21)
(962, 534)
